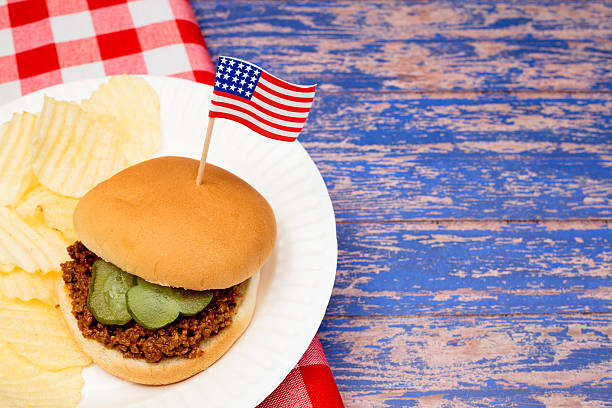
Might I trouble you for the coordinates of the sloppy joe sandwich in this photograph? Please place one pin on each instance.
(164, 276)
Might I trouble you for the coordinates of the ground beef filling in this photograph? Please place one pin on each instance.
(180, 338)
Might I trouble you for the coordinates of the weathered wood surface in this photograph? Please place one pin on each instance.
(509, 361)
(388, 269)
(467, 148)
(389, 156)
(411, 45)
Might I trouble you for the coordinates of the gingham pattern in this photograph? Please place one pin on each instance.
(43, 43)
(309, 385)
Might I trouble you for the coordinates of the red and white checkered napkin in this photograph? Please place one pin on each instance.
(43, 43)
(310, 384)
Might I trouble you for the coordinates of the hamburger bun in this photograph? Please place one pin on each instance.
(153, 221)
(169, 370)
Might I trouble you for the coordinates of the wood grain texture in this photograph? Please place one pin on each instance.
(388, 156)
(518, 361)
(428, 46)
(467, 149)
(472, 268)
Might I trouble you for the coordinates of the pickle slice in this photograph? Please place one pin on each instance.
(151, 308)
(165, 290)
(107, 289)
(191, 302)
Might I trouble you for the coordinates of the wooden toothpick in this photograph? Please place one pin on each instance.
(211, 123)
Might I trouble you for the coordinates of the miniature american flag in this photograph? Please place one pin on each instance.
(264, 103)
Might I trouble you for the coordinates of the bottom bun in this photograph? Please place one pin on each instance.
(173, 369)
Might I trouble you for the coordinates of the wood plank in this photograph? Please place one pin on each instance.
(426, 268)
(425, 46)
(366, 118)
(478, 186)
(518, 361)
(386, 156)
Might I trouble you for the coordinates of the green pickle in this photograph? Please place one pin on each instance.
(154, 306)
(107, 290)
(166, 290)
(151, 309)
(115, 297)
(191, 302)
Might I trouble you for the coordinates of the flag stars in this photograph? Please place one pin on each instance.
(237, 77)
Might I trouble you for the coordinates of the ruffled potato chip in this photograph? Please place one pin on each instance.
(136, 106)
(41, 204)
(47, 161)
(15, 169)
(23, 384)
(73, 150)
(38, 333)
(27, 286)
(32, 247)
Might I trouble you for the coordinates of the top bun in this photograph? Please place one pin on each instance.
(153, 221)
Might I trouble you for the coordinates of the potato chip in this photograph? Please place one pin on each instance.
(73, 150)
(136, 105)
(41, 204)
(23, 384)
(39, 334)
(47, 161)
(15, 167)
(33, 248)
(27, 286)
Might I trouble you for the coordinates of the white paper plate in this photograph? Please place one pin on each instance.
(296, 282)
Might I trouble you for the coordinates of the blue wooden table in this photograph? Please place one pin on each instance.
(467, 149)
